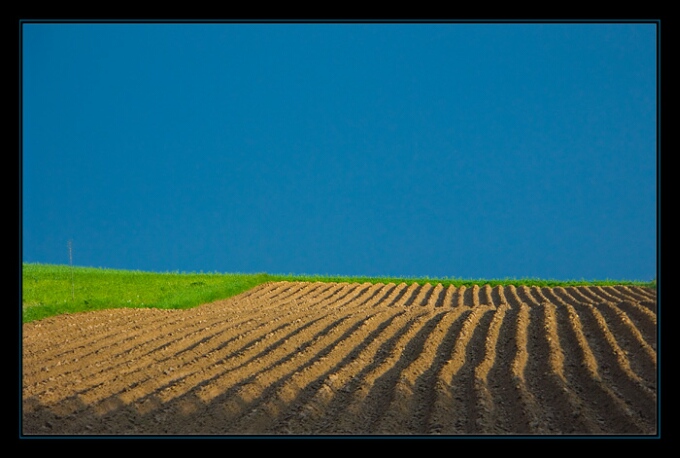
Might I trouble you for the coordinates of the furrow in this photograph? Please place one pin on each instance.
(280, 351)
(544, 370)
(437, 298)
(640, 355)
(525, 295)
(511, 296)
(297, 378)
(373, 394)
(614, 367)
(475, 296)
(505, 377)
(498, 297)
(424, 296)
(578, 419)
(396, 295)
(414, 379)
(323, 399)
(180, 373)
(459, 298)
(597, 401)
(137, 352)
(488, 421)
(255, 393)
(82, 339)
(485, 296)
(467, 414)
(644, 321)
(449, 297)
(648, 294)
(411, 294)
(521, 373)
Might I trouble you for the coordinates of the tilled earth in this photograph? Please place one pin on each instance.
(292, 358)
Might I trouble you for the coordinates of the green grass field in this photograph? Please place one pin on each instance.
(50, 290)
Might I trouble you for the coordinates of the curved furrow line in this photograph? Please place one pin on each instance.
(526, 296)
(414, 378)
(578, 417)
(185, 363)
(82, 338)
(614, 367)
(475, 296)
(579, 297)
(648, 294)
(282, 288)
(485, 295)
(269, 402)
(448, 300)
(643, 320)
(459, 297)
(467, 418)
(521, 372)
(312, 411)
(258, 399)
(467, 297)
(446, 416)
(311, 292)
(608, 411)
(136, 351)
(245, 357)
(505, 377)
(386, 296)
(488, 420)
(424, 374)
(128, 344)
(411, 293)
(497, 297)
(618, 295)
(391, 392)
(373, 294)
(542, 379)
(511, 296)
(372, 391)
(424, 294)
(351, 298)
(641, 356)
(634, 293)
(437, 298)
(148, 376)
(75, 325)
(209, 382)
(358, 376)
(398, 296)
(123, 345)
(336, 292)
(588, 294)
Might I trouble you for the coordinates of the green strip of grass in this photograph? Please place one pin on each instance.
(48, 289)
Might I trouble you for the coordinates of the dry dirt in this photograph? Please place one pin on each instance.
(352, 359)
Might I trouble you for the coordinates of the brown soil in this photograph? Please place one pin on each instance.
(352, 359)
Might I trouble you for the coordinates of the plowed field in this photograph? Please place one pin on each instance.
(355, 359)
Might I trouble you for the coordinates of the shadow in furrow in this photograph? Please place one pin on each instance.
(605, 409)
(511, 416)
(426, 385)
(382, 394)
(466, 417)
(271, 390)
(342, 394)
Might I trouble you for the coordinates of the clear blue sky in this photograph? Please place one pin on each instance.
(442, 150)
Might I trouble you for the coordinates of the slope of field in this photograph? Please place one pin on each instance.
(354, 359)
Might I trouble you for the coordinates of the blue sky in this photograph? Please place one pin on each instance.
(459, 150)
